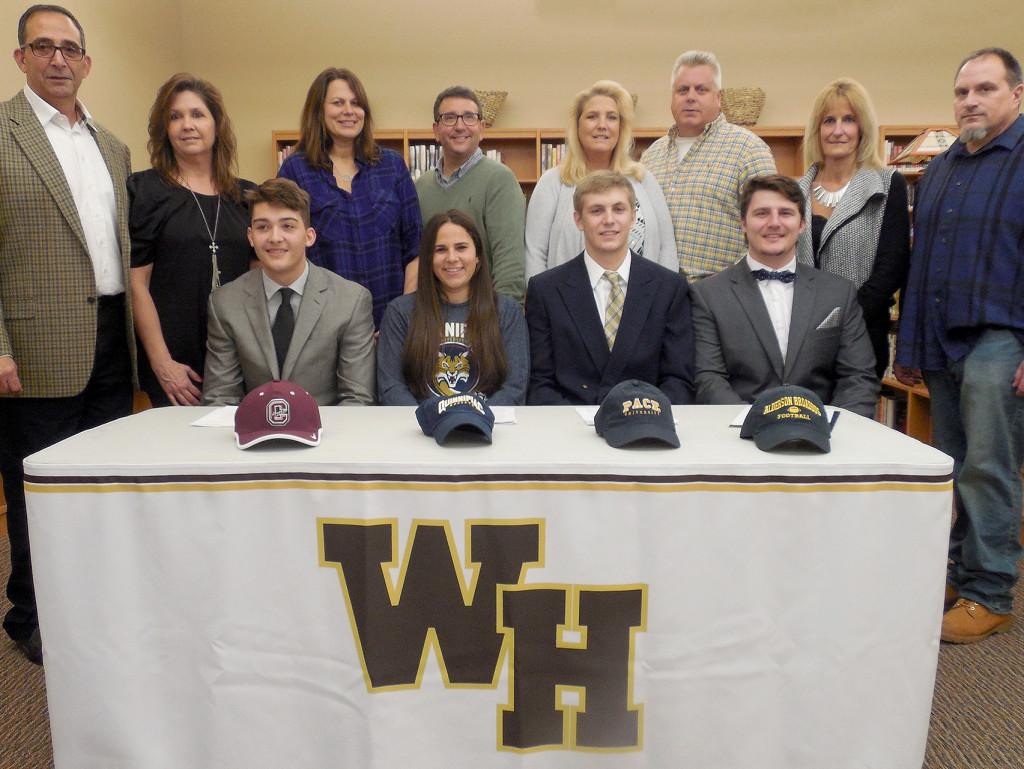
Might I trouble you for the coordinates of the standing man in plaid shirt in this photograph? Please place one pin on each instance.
(702, 164)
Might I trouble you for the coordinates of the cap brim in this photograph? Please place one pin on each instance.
(772, 436)
(617, 437)
(261, 436)
(463, 421)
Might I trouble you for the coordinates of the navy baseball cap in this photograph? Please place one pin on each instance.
(467, 413)
(636, 411)
(787, 414)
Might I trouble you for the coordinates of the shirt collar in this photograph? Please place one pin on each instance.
(459, 172)
(46, 112)
(673, 131)
(1007, 139)
(271, 286)
(595, 271)
(753, 264)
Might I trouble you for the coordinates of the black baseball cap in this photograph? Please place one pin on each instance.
(636, 411)
(786, 414)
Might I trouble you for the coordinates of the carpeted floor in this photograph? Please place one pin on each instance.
(977, 713)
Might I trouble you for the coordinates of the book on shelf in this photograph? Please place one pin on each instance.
(551, 155)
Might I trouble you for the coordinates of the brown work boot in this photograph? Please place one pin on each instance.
(952, 596)
(969, 622)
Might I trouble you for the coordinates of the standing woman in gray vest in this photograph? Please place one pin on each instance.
(856, 206)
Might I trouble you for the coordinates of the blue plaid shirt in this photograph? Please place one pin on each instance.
(370, 235)
(967, 267)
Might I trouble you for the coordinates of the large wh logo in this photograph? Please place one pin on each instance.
(558, 638)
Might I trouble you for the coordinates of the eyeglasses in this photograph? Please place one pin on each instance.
(45, 50)
(451, 118)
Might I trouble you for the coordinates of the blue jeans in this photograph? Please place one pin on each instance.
(978, 419)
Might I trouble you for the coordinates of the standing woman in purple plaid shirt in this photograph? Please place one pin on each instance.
(364, 206)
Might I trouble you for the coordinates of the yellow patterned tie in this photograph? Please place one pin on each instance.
(613, 310)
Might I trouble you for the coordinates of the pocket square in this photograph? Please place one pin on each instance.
(832, 320)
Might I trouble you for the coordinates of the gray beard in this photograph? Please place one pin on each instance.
(975, 135)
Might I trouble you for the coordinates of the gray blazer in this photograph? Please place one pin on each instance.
(332, 352)
(738, 356)
(849, 241)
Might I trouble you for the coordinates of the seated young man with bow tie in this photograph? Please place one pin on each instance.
(765, 321)
(290, 319)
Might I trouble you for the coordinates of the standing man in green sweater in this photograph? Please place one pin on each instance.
(485, 189)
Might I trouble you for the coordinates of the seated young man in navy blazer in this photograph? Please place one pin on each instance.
(767, 321)
(290, 319)
(608, 315)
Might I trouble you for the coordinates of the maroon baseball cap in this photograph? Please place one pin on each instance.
(278, 409)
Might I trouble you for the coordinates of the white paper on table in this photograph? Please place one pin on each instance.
(222, 417)
(504, 415)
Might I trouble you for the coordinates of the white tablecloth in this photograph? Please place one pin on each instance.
(543, 601)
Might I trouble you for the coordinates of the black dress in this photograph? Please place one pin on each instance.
(168, 232)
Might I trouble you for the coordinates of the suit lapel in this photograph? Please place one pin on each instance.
(310, 309)
(31, 137)
(114, 159)
(745, 289)
(804, 296)
(578, 297)
(863, 186)
(256, 312)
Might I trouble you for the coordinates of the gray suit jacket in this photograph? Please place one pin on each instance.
(738, 355)
(47, 284)
(332, 351)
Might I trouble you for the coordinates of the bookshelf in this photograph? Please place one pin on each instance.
(907, 409)
(523, 150)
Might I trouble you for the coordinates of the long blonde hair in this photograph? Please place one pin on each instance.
(574, 164)
(869, 148)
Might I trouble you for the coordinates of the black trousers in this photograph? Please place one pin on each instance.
(28, 425)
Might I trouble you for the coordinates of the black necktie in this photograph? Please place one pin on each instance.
(284, 325)
(784, 275)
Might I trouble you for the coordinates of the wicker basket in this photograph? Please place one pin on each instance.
(742, 106)
(491, 103)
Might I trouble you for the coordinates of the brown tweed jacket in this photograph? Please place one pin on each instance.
(47, 286)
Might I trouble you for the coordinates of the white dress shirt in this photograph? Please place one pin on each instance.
(778, 298)
(601, 286)
(91, 187)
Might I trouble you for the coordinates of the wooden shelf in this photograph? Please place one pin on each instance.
(521, 148)
(918, 407)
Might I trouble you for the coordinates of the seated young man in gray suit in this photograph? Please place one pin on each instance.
(765, 321)
(608, 315)
(291, 319)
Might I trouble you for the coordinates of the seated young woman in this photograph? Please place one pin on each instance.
(454, 334)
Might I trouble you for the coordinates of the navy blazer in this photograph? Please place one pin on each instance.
(570, 362)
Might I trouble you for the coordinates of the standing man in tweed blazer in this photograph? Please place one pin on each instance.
(66, 334)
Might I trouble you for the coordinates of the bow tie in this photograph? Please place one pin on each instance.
(783, 275)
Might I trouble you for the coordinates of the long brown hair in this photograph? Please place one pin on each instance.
(314, 141)
(161, 153)
(426, 329)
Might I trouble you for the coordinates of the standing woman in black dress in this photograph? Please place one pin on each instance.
(188, 227)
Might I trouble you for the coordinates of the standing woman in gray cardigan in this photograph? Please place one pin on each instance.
(856, 206)
(599, 137)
